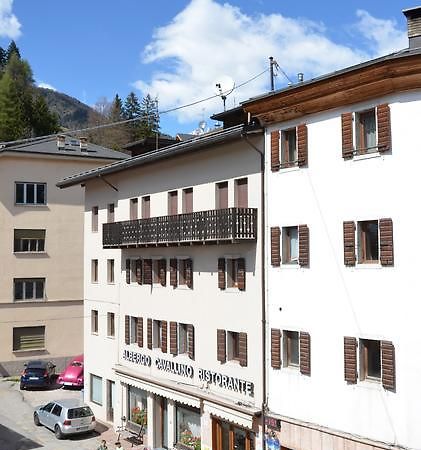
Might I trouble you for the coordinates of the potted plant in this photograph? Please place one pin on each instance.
(140, 416)
(191, 441)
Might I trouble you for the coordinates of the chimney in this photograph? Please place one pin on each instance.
(83, 144)
(61, 141)
(413, 18)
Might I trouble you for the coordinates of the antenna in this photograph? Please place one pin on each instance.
(224, 85)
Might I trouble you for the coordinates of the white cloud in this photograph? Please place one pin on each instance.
(209, 39)
(41, 84)
(9, 24)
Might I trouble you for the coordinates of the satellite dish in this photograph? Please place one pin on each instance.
(223, 86)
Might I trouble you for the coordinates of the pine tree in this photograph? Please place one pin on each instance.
(44, 122)
(149, 114)
(2, 60)
(116, 110)
(13, 124)
(12, 49)
(132, 110)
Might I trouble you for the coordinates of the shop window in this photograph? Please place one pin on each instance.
(188, 427)
(96, 389)
(137, 406)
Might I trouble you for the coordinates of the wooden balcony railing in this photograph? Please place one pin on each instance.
(217, 225)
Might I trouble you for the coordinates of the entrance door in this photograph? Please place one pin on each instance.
(226, 436)
(110, 400)
(161, 422)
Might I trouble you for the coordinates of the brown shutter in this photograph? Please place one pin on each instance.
(147, 271)
(221, 273)
(305, 353)
(190, 341)
(302, 145)
(149, 334)
(241, 274)
(386, 242)
(164, 338)
(275, 348)
(384, 139)
(173, 272)
(221, 343)
(189, 273)
(243, 349)
(349, 244)
(388, 365)
(173, 338)
(128, 271)
(275, 246)
(139, 271)
(127, 330)
(350, 359)
(274, 151)
(162, 272)
(347, 140)
(303, 245)
(140, 331)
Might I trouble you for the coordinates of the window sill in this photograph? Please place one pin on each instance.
(111, 337)
(370, 384)
(110, 284)
(293, 168)
(30, 253)
(30, 300)
(37, 205)
(231, 290)
(41, 349)
(364, 156)
(94, 282)
(365, 266)
(290, 266)
(94, 334)
(183, 287)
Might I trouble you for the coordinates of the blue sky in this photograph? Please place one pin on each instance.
(178, 49)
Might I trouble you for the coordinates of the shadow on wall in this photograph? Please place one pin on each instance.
(11, 440)
(14, 368)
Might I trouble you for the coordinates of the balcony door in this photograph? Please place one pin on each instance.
(221, 194)
(187, 200)
(146, 207)
(172, 203)
(241, 193)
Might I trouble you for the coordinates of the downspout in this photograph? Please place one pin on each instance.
(263, 275)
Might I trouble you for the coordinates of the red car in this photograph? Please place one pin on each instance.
(73, 374)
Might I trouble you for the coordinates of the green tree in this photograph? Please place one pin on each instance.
(132, 110)
(44, 122)
(149, 122)
(13, 124)
(12, 49)
(2, 60)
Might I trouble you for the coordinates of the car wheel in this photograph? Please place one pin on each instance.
(57, 432)
(36, 420)
(22, 387)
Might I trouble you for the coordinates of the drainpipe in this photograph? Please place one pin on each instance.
(263, 275)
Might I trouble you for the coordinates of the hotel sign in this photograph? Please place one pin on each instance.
(226, 382)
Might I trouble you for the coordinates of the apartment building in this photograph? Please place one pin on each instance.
(342, 163)
(41, 249)
(173, 334)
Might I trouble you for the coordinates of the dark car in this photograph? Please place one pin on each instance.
(37, 374)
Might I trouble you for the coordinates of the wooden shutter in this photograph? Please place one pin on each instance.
(221, 195)
(349, 244)
(274, 151)
(174, 338)
(164, 337)
(221, 343)
(149, 334)
(305, 354)
(350, 359)
(187, 200)
(302, 145)
(127, 330)
(275, 348)
(221, 273)
(241, 274)
(386, 242)
(241, 193)
(303, 246)
(347, 139)
(388, 365)
(173, 272)
(275, 246)
(189, 273)
(162, 272)
(147, 271)
(128, 270)
(190, 341)
(140, 331)
(243, 349)
(384, 138)
(139, 271)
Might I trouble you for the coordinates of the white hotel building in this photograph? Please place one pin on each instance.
(173, 288)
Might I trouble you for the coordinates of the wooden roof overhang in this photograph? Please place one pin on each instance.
(362, 83)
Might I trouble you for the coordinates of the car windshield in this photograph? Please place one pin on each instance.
(76, 364)
(76, 413)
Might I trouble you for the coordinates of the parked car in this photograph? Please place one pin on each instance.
(65, 417)
(37, 374)
(73, 373)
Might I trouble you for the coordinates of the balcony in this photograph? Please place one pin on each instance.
(232, 225)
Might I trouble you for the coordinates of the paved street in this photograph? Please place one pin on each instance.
(17, 429)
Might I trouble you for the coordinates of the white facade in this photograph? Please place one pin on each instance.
(331, 301)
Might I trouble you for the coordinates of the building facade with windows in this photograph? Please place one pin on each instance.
(41, 248)
(173, 334)
(342, 163)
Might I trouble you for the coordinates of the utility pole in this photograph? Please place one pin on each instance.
(272, 81)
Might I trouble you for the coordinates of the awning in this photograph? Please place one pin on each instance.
(230, 415)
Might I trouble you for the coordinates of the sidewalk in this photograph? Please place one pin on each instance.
(111, 438)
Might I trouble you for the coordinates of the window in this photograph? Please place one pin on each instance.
(370, 360)
(241, 193)
(56, 410)
(188, 426)
(28, 338)
(94, 321)
(365, 131)
(221, 195)
(182, 275)
(291, 348)
(133, 209)
(29, 241)
(232, 273)
(94, 271)
(30, 193)
(110, 271)
(172, 203)
(233, 346)
(96, 389)
(110, 324)
(187, 200)
(157, 334)
(146, 207)
(290, 245)
(368, 242)
(289, 156)
(29, 288)
(94, 224)
(133, 330)
(110, 213)
(182, 338)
